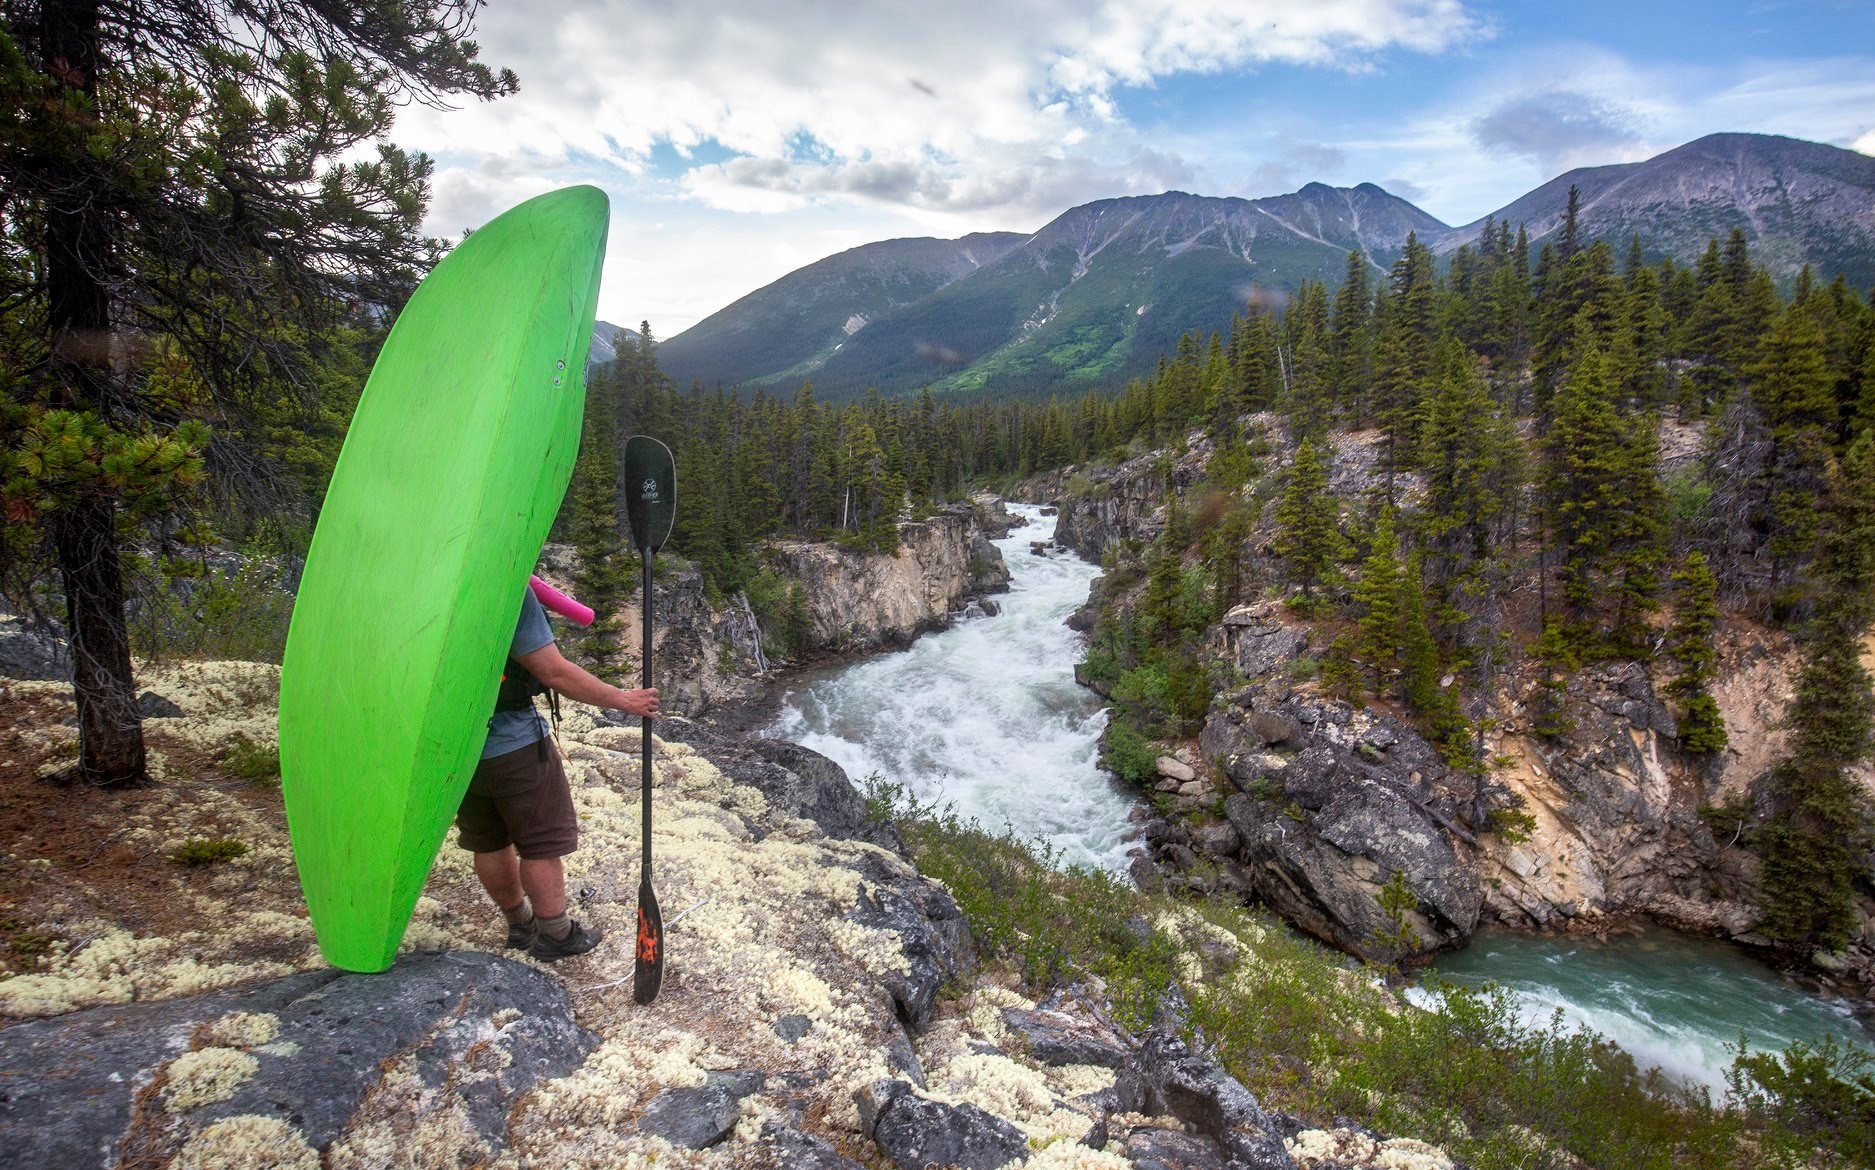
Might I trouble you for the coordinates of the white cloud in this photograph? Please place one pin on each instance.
(946, 118)
(1865, 144)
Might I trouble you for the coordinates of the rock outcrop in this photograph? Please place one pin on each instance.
(454, 1037)
(800, 1023)
(1601, 820)
(862, 601)
(1333, 804)
(1104, 507)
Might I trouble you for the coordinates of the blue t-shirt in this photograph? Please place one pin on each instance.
(509, 730)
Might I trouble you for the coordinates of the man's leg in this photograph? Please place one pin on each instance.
(545, 883)
(500, 873)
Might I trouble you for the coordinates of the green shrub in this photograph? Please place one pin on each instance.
(1513, 825)
(1130, 755)
(178, 610)
(208, 851)
(255, 763)
(781, 610)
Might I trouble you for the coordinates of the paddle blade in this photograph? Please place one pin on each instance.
(650, 491)
(648, 968)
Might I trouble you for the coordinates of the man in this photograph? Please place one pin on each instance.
(517, 817)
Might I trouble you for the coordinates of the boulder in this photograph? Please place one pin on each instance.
(916, 1132)
(31, 650)
(1173, 769)
(79, 1088)
(151, 705)
(1056, 1037)
(697, 1117)
(1165, 1078)
(1152, 1147)
(797, 1151)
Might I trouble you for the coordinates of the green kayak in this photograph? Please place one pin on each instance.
(452, 471)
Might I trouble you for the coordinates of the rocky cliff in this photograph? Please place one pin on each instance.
(714, 655)
(862, 601)
(1314, 805)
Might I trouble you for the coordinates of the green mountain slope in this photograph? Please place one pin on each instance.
(1098, 294)
(783, 331)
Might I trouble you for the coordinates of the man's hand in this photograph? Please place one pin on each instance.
(578, 683)
(640, 702)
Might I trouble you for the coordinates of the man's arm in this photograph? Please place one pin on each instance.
(576, 682)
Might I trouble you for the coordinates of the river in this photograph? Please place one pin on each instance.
(986, 716)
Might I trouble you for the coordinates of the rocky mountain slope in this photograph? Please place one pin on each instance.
(1799, 203)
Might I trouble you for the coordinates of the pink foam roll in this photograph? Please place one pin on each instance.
(560, 603)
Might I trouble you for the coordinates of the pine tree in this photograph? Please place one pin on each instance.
(202, 175)
(1818, 837)
(1377, 599)
(1690, 643)
(1308, 522)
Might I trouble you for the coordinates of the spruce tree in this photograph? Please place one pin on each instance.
(1795, 390)
(1690, 643)
(1377, 599)
(1603, 503)
(1308, 522)
(1422, 679)
(1817, 840)
(1353, 341)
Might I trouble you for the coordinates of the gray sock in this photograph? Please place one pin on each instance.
(520, 914)
(557, 927)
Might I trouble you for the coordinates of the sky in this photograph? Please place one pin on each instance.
(742, 139)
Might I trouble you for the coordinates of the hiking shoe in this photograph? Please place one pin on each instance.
(578, 941)
(521, 935)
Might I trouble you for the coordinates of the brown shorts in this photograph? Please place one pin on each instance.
(520, 799)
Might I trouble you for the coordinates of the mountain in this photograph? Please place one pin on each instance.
(1091, 299)
(606, 339)
(783, 331)
(1799, 202)
(1097, 295)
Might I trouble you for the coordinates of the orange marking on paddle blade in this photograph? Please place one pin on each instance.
(647, 939)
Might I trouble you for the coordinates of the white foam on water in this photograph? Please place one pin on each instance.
(985, 715)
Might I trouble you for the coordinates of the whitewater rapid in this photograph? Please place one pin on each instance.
(984, 716)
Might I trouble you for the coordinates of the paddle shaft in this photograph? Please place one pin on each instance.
(644, 735)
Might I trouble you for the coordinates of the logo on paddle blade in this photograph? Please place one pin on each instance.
(648, 492)
(647, 939)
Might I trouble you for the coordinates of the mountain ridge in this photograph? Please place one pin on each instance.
(1094, 296)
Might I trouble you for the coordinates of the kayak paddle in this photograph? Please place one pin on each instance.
(650, 503)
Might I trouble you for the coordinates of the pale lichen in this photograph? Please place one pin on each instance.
(247, 1142)
(205, 1076)
(240, 1030)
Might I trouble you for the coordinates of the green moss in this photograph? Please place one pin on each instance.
(208, 851)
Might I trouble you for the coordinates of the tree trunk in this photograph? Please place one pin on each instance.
(79, 254)
(110, 730)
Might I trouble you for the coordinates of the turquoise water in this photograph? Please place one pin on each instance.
(1673, 1001)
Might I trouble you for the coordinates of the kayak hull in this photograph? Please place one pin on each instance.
(452, 471)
